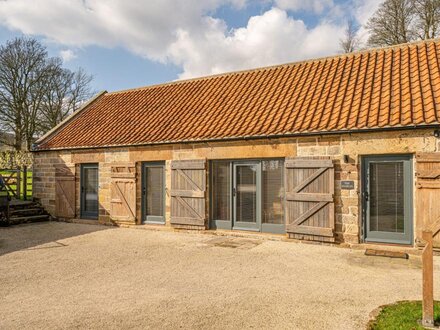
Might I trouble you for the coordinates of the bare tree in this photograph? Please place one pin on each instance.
(36, 92)
(350, 42)
(65, 93)
(401, 21)
(427, 18)
(22, 63)
(392, 23)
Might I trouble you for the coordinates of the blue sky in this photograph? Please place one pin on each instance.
(127, 44)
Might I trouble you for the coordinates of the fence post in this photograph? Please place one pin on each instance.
(25, 182)
(428, 280)
(18, 172)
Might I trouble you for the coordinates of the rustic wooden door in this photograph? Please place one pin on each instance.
(64, 191)
(123, 193)
(188, 192)
(427, 193)
(310, 210)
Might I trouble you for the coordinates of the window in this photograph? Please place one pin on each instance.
(273, 191)
(221, 191)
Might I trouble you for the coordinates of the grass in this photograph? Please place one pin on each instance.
(6, 174)
(403, 315)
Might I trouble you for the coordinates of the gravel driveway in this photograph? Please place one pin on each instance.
(61, 275)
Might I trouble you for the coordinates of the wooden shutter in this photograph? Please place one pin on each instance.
(123, 193)
(64, 191)
(188, 192)
(310, 210)
(427, 193)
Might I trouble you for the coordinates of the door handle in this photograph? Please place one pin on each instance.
(234, 192)
(366, 196)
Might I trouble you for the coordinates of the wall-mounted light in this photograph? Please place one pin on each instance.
(346, 158)
(437, 133)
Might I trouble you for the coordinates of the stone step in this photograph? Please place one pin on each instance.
(385, 253)
(30, 211)
(26, 219)
(23, 205)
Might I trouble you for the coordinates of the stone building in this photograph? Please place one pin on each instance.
(343, 149)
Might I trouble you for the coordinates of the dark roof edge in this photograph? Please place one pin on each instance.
(69, 118)
(251, 137)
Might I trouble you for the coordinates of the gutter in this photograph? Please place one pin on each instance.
(68, 118)
(250, 137)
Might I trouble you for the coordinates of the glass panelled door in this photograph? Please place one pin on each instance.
(246, 196)
(89, 191)
(153, 193)
(387, 199)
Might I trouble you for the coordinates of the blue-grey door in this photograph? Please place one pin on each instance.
(387, 199)
(153, 192)
(89, 191)
(246, 193)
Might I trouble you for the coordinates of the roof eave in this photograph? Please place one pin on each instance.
(251, 137)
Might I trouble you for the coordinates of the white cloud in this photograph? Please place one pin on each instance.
(267, 39)
(67, 55)
(182, 32)
(145, 27)
(316, 6)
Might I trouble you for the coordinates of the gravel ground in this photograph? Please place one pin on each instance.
(61, 275)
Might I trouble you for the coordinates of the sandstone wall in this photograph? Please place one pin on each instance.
(347, 202)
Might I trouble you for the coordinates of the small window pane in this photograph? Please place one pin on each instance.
(155, 190)
(273, 191)
(246, 185)
(221, 191)
(387, 197)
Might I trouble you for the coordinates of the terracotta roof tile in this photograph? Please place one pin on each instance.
(381, 88)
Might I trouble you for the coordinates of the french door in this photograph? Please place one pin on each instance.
(387, 199)
(153, 192)
(89, 191)
(248, 195)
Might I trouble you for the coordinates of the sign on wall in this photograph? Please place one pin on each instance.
(347, 185)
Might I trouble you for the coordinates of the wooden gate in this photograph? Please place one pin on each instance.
(123, 193)
(18, 182)
(188, 192)
(64, 191)
(427, 193)
(310, 211)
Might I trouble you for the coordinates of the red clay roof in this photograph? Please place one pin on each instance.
(376, 89)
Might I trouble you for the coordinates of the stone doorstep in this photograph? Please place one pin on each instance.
(388, 249)
(385, 253)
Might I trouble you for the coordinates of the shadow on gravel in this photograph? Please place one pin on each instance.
(42, 235)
